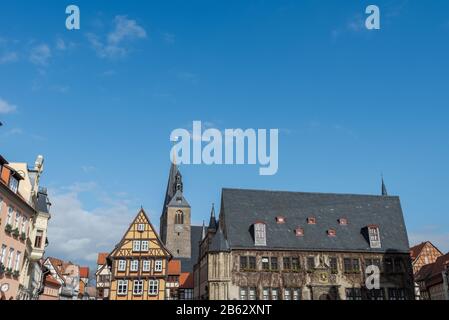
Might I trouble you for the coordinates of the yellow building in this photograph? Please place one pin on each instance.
(139, 263)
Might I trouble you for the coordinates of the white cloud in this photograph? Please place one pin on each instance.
(9, 57)
(125, 30)
(40, 54)
(79, 234)
(6, 107)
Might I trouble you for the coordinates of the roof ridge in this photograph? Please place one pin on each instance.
(311, 193)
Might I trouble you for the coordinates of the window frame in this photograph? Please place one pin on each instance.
(134, 266)
(158, 265)
(139, 285)
(122, 287)
(153, 287)
(121, 262)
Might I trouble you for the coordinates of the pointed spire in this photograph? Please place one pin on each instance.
(212, 221)
(204, 231)
(384, 188)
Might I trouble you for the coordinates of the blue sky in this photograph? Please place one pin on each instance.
(100, 103)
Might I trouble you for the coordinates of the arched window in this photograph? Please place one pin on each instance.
(179, 217)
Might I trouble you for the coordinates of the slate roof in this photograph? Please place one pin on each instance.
(195, 238)
(242, 208)
(218, 242)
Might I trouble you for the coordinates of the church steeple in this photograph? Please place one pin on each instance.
(212, 222)
(175, 218)
(384, 188)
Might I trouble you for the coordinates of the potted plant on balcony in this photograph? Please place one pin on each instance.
(23, 236)
(2, 269)
(15, 233)
(16, 274)
(8, 229)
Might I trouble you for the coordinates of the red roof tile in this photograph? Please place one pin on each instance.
(174, 267)
(102, 258)
(50, 280)
(186, 280)
(84, 272)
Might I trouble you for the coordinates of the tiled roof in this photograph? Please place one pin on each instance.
(186, 280)
(102, 258)
(174, 267)
(84, 272)
(432, 273)
(242, 208)
(416, 250)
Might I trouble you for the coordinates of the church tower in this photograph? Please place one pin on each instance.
(175, 228)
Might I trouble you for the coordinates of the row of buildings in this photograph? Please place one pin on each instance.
(25, 274)
(264, 245)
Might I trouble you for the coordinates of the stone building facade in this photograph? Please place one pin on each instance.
(304, 246)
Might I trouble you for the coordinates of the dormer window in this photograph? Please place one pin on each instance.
(343, 221)
(13, 184)
(299, 232)
(374, 236)
(280, 219)
(260, 236)
(331, 233)
(311, 220)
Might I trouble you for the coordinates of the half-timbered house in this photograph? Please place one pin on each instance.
(139, 263)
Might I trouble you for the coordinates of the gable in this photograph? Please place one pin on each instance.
(141, 229)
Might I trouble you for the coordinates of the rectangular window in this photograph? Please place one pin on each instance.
(144, 246)
(274, 263)
(347, 265)
(146, 265)
(158, 266)
(310, 263)
(374, 237)
(136, 245)
(353, 294)
(396, 294)
(141, 227)
(138, 287)
(3, 254)
(266, 294)
(243, 263)
(153, 287)
(333, 264)
(17, 262)
(134, 265)
(265, 263)
(13, 184)
(375, 294)
(389, 265)
(121, 265)
(355, 265)
(295, 264)
(397, 265)
(11, 252)
(17, 220)
(274, 294)
(252, 294)
(122, 287)
(287, 294)
(243, 294)
(38, 239)
(296, 294)
(260, 234)
(10, 213)
(287, 263)
(252, 263)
